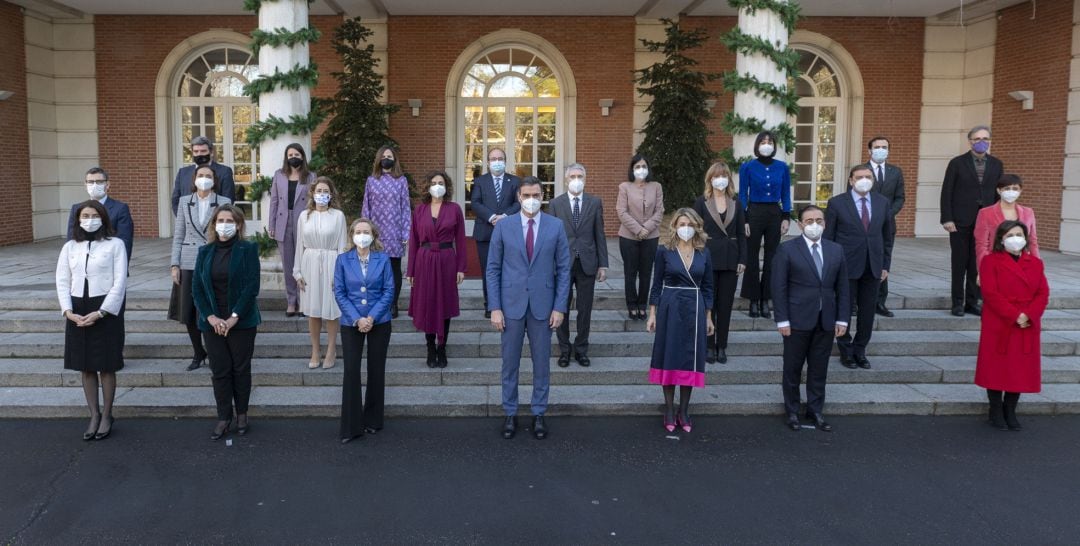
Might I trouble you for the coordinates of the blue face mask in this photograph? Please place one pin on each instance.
(498, 167)
(879, 155)
(981, 147)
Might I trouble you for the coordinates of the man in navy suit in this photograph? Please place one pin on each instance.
(529, 282)
(810, 294)
(493, 197)
(202, 150)
(97, 185)
(860, 222)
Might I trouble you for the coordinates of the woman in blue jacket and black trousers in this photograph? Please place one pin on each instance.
(364, 290)
(224, 285)
(765, 196)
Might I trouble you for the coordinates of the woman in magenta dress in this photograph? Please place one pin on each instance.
(386, 202)
(436, 264)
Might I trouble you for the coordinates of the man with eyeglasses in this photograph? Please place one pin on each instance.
(970, 184)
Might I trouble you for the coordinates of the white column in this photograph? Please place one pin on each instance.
(957, 94)
(1070, 198)
(769, 26)
(653, 30)
(283, 103)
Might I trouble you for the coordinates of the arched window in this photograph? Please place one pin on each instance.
(820, 148)
(210, 102)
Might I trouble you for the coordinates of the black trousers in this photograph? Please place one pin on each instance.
(585, 286)
(764, 220)
(883, 292)
(355, 414)
(637, 257)
(482, 255)
(812, 348)
(230, 368)
(395, 267)
(864, 293)
(723, 299)
(964, 268)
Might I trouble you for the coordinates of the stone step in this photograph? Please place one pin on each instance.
(487, 344)
(568, 400)
(747, 370)
(137, 321)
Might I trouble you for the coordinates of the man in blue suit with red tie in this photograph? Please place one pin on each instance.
(528, 275)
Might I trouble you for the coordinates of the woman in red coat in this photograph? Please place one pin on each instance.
(436, 264)
(1015, 294)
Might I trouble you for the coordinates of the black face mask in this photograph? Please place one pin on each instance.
(387, 163)
(202, 159)
(295, 162)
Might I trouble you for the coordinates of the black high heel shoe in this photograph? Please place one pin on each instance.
(103, 435)
(242, 429)
(218, 434)
(92, 431)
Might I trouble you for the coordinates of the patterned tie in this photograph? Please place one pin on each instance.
(498, 189)
(817, 260)
(865, 215)
(577, 211)
(529, 239)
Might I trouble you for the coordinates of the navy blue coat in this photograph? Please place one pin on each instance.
(843, 224)
(484, 203)
(797, 291)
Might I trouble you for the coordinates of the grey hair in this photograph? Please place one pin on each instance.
(978, 128)
(202, 141)
(573, 166)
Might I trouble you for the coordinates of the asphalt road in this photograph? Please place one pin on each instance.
(594, 481)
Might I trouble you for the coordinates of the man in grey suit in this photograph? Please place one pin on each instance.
(493, 198)
(202, 151)
(528, 277)
(582, 216)
(889, 182)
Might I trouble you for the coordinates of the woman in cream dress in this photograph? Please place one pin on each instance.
(320, 237)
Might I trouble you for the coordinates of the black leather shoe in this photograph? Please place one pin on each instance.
(539, 428)
(350, 438)
(393, 311)
(564, 360)
(710, 355)
(819, 422)
(509, 427)
(974, 310)
(958, 310)
(764, 310)
(196, 363)
(242, 425)
(847, 361)
(440, 357)
(487, 314)
(753, 312)
(582, 360)
(793, 422)
(862, 362)
(431, 359)
(721, 355)
(884, 311)
(220, 431)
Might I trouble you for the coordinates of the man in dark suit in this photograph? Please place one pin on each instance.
(97, 185)
(889, 183)
(810, 296)
(970, 184)
(582, 216)
(202, 150)
(859, 221)
(493, 197)
(529, 278)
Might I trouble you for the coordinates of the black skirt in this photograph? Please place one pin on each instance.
(181, 302)
(97, 348)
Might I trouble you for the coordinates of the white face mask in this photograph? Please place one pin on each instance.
(863, 185)
(813, 231)
(96, 191)
(90, 225)
(363, 240)
(531, 205)
(686, 232)
(321, 199)
(576, 186)
(641, 173)
(879, 155)
(766, 150)
(1014, 243)
(1010, 196)
(720, 183)
(225, 231)
(204, 184)
(437, 191)
(497, 167)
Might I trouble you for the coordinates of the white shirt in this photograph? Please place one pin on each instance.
(821, 249)
(203, 206)
(858, 203)
(525, 226)
(874, 167)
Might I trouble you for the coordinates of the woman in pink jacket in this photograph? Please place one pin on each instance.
(1009, 187)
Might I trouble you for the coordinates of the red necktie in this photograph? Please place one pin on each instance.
(529, 240)
(865, 216)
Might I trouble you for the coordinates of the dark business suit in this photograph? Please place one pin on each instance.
(891, 187)
(798, 291)
(588, 253)
(119, 218)
(867, 252)
(962, 195)
(727, 247)
(186, 177)
(485, 204)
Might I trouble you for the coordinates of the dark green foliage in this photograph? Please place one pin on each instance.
(677, 130)
(282, 37)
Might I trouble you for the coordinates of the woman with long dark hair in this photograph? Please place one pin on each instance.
(288, 195)
(386, 202)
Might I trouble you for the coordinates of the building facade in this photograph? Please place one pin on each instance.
(102, 82)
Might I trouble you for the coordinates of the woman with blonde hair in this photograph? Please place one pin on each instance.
(725, 226)
(320, 237)
(682, 284)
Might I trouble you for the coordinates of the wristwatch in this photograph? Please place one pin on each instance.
(234, 315)
(102, 313)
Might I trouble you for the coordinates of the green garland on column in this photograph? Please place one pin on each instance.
(786, 59)
(294, 79)
(282, 37)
